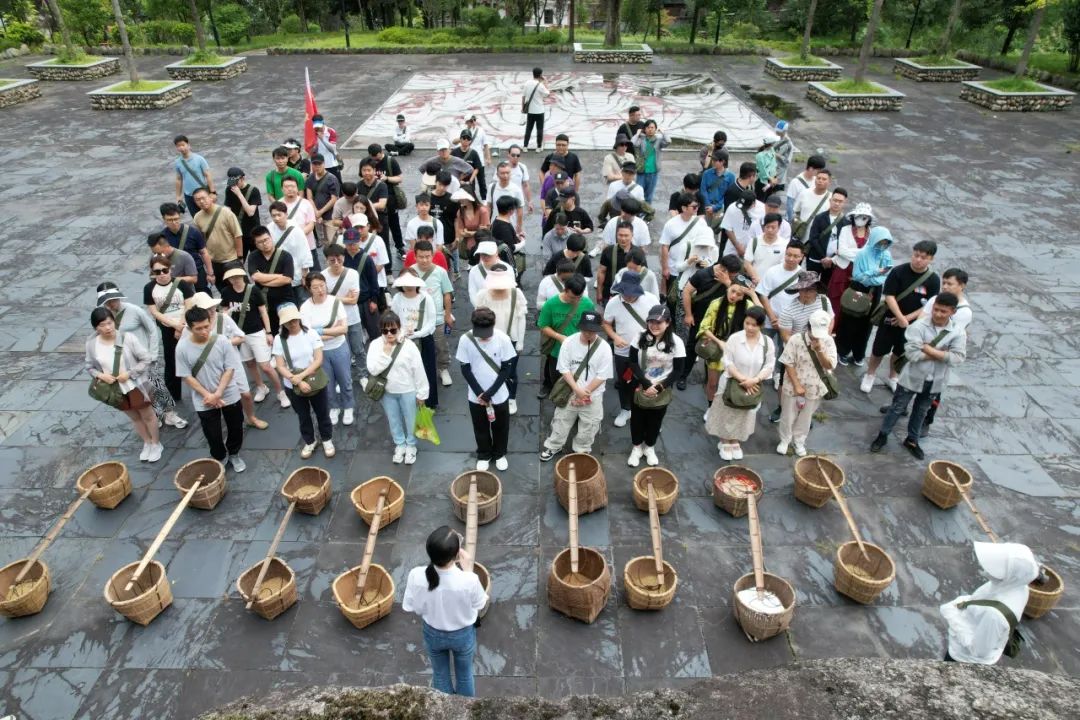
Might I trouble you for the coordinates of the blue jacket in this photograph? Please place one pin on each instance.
(872, 258)
(713, 188)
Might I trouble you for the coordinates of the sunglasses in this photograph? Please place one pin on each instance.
(159, 271)
(389, 331)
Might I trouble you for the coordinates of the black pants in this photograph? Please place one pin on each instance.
(370, 319)
(234, 428)
(691, 351)
(304, 407)
(551, 374)
(393, 219)
(537, 120)
(852, 336)
(200, 279)
(645, 424)
(315, 266)
(168, 349)
(492, 438)
(481, 182)
(430, 357)
(625, 389)
(400, 148)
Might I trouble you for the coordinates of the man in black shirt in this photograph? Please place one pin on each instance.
(575, 252)
(465, 151)
(186, 237)
(296, 161)
(272, 271)
(745, 181)
(322, 190)
(705, 285)
(444, 208)
(576, 218)
(691, 183)
(613, 259)
(569, 161)
(632, 125)
(244, 200)
(388, 170)
(378, 193)
(253, 318)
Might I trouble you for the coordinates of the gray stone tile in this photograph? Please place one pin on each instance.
(126, 694)
(730, 650)
(47, 694)
(172, 641)
(1019, 472)
(651, 650)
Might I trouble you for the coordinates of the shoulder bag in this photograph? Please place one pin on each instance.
(213, 223)
(168, 296)
(643, 401)
(901, 361)
(547, 344)
(782, 286)
(856, 303)
(673, 288)
(1012, 645)
(281, 240)
(736, 396)
(800, 227)
(828, 379)
(316, 381)
(107, 393)
(376, 385)
(196, 177)
(244, 306)
(882, 308)
(525, 105)
(561, 393)
(705, 348)
(198, 366)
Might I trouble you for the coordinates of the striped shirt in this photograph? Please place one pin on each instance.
(796, 317)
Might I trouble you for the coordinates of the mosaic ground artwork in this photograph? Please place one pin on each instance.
(589, 107)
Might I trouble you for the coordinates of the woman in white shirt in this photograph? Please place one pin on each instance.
(305, 358)
(656, 362)
(406, 383)
(502, 295)
(748, 359)
(738, 223)
(449, 600)
(326, 315)
(418, 314)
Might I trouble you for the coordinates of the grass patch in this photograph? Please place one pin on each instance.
(5, 83)
(205, 58)
(936, 60)
(79, 59)
(850, 87)
(624, 46)
(1015, 85)
(809, 60)
(141, 86)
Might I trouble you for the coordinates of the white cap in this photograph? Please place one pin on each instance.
(819, 324)
(487, 247)
(442, 144)
(408, 280)
(461, 194)
(358, 220)
(204, 301)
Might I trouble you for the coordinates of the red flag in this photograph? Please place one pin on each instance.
(310, 111)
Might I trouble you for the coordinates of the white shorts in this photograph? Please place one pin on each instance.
(254, 348)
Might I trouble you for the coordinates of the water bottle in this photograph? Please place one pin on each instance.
(491, 413)
(446, 328)
(800, 402)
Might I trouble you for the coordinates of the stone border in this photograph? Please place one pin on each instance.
(783, 71)
(600, 55)
(18, 92)
(935, 73)
(175, 92)
(847, 102)
(1000, 101)
(230, 68)
(47, 70)
(111, 50)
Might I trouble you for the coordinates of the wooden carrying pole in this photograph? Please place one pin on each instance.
(369, 546)
(971, 505)
(844, 509)
(755, 545)
(654, 531)
(53, 533)
(156, 545)
(471, 521)
(572, 497)
(270, 555)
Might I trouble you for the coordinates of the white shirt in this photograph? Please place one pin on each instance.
(350, 283)
(807, 204)
(547, 290)
(408, 309)
(641, 232)
(962, 317)
(317, 318)
(407, 374)
(499, 349)
(633, 188)
(479, 140)
(536, 104)
(798, 186)
(764, 255)
(513, 324)
(573, 353)
(683, 249)
(497, 191)
(773, 278)
(757, 229)
(656, 364)
(106, 355)
(415, 223)
(327, 148)
(301, 350)
(750, 361)
(734, 221)
(401, 134)
(519, 175)
(295, 245)
(477, 277)
(649, 283)
(304, 214)
(453, 605)
(624, 324)
(846, 247)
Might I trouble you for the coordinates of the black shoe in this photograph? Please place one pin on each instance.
(542, 393)
(879, 442)
(885, 409)
(914, 449)
(681, 384)
(925, 432)
(774, 416)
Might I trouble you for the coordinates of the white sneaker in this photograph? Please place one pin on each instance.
(410, 455)
(155, 453)
(800, 450)
(145, 454)
(444, 377)
(736, 452)
(347, 417)
(501, 463)
(328, 448)
(595, 252)
(635, 456)
(307, 451)
(399, 454)
(174, 420)
(725, 451)
(650, 456)
(867, 383)
(705, 417)
(891, 382)
(260, 393)
(622, 418)
(363, 384)
(513, 407)
(334, 415)
(482, 465)
(283, 399)
(238, 464)
(781, 449)
(776, 381)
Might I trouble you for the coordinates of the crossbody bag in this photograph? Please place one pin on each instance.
(547, 343)
(661, 399)
(736, 396)
(168, 296)
(673, 290)
(316, 381)
(109, 393)
(900, 361)
(880, 310)
(561, 392)
(376, 385)
(800, 227)
(1012, 645)
(828, 379)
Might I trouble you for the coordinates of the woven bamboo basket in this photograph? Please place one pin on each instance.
(758, 625)
(581, 602)
(277, 592)
(29, 595)
(485, 582)
(939, 489)
(664, 483)
(366, 495)
(730, 496)
(860, 579)
(643, 592)
(810, 487)
(1044, 598)
(488, 496)
(212, 489)
(592, 486)
(376, 602)
(309, 488)
(145, 601)
(113, 484)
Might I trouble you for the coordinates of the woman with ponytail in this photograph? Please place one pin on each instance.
(448, 599)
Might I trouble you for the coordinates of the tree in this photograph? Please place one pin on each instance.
(613, 31)
(868, 41)
(1071, 31)
(695, 13)
(804, 50)
(200, 34)
(560, 12)
(65, 34)
(1013, 13)
(945, 46)
(1033, 33)
(133, 72)
(89, 18)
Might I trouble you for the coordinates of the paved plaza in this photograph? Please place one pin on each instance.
(80, 190)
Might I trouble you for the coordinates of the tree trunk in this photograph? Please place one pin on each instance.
(302, 15)
(573, 21)
(950, 29)
(659, 23)
(1009, 39)
(804, 51)
(694, 21)
(58, 18)
(613, 31)
(133, 72)
(911, 28)
(200, 33)
(716, 37)
(868, 41)
(1033, 33)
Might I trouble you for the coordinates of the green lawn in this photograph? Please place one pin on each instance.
(1013, 84)
(600, 46)
(808, 60)
(80, 61)
(936, 60)
(207, 58)
(142, 86)
(5, 83)
(852, 88)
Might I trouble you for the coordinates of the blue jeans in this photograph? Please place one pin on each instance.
(400, 409)
(900, 399)
(647, 181)
(336, 364)
(357, 341)
(440, 644)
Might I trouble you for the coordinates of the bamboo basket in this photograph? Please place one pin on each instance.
(113, 484)
(939, 489)
(28, 596)
(758, 625)
(212, 489)
(150, 595)
(643, 592)
(489, 496)
(810, 487)
(309, 488)
(277, 592)
(860, 579)
(366, 495)
(735, 502)
(485, 582)
(1044, 598)
(581, 602)
(591, 484)
(376, 602)
(664, 483)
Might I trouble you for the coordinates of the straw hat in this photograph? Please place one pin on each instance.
(460, 195)
(234, 272)
(408, 280)
(287, 312)
(204, 301)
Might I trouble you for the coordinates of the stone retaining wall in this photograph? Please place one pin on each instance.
(53, 71)
(802, 72)
(612, 56)
(1016, 102)
(180, 71)
(944, 73)
(19, 92)
(116, 50)
(891, 101)
(140, 100)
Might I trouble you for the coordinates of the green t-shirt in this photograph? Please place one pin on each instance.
(650, 157)
(553, 315)
(274, 178)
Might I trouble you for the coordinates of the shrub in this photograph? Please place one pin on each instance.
(484, 19)
(504, 35)
(403, 36)
(745, 31)
(547, 37)
(136, 34)
(20, 32)
(232, 23)
(443, 37)
(163, 32)
(290, 25)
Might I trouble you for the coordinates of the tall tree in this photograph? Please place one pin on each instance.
(695, 13)
(133, 72)
(58, 18)
(804, 50)
(573, 20)
(613, 31)
(868, 41)
(196, 19)
(945, 46)
(1033, 33)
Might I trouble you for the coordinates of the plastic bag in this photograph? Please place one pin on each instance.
(425, 425)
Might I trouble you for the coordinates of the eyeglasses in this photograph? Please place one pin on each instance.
(389, 331)
(160, 271)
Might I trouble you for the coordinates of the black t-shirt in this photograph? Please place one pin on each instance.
(504, 233)
(901, 277)
(584, 267)
(734, 192)
(247, 223)
(184, 289)
(576, 218)
(629, 130)
(703, 281)
(609, 271)
(570, 163)
(303, 165)
(388, 166)
(673, 203)
(321, 190)
(233, 302)
(375, 193)
(470, 157)
(446, 210)
(257, 262)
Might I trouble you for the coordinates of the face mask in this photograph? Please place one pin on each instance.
(861, 221)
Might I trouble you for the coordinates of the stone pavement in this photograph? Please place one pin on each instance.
(80, 190)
